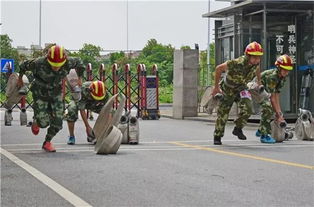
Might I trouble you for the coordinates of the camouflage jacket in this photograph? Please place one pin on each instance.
(87, 101)
(271, 81)
(48, 83)
(239, 73)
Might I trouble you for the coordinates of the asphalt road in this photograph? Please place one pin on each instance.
(175, 164)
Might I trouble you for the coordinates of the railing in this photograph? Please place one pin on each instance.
(131, 83)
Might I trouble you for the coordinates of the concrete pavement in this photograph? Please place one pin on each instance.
(175, 164)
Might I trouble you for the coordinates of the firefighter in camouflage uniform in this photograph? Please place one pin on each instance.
(48, 72)
(93, 98)
(273, 81)
(239, 72)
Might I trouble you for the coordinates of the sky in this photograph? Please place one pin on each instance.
(112, 25)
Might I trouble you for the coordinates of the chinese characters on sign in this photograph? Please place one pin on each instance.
(291, 40)
(279, 44)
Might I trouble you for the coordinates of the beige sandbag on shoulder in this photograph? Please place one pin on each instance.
(73, 83)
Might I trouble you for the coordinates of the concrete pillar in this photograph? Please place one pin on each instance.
(185, 83)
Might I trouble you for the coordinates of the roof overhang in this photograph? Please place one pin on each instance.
(257, 6)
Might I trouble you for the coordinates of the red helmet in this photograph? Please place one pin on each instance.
(254, 48)
(285, 62)
(97, 90)
(56, 56)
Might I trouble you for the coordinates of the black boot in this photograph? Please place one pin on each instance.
(217, 140)
(238, 132)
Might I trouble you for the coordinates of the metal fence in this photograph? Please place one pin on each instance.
(118, 79)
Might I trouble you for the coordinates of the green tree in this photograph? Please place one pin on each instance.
(185, 47)
(7, 52)
(148, 49)
(162, 55)
(212, 63)
(73, 54)
(120, 58)
(207, 71)
(203, 68)
(90, 54)
(6, 49)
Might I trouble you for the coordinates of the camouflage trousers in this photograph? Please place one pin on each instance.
(245, 106)
(48, 112)
(267, 113)
(71, 113)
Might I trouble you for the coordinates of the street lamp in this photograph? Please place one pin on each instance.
(127, 26)
(39, 23)
(208, 79)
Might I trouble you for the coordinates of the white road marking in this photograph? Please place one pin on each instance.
(59, 189)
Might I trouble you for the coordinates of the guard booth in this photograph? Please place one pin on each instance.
(282, 27)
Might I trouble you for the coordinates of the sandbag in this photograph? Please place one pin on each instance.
(210, 102)
(109, 143)
(108, 136)
(73, 84)
(278, 132)
(8, 118)
(134, 130)
(12, 92)
(259, 94)
(304, 126)
(123, 126)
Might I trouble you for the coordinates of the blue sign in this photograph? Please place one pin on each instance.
(151, 82)
(7, 65)
(306, 67)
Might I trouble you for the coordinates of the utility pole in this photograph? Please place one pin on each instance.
(208, 79)
(39, 23)
(127, 26)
